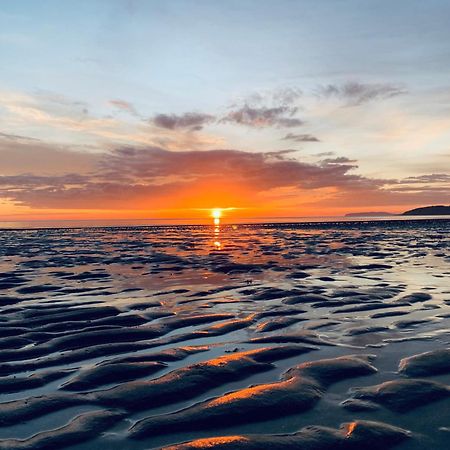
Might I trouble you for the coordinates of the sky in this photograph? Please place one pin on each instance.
(166, 109)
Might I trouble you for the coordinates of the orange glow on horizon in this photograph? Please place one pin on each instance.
(185, 209)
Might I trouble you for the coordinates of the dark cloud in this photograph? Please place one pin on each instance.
(261, 117)
(300, 138)
(355, 93)
(191, 121)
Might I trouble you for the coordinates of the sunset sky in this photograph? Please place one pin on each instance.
(157, 108)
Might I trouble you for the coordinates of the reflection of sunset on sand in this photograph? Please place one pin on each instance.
(280, 312)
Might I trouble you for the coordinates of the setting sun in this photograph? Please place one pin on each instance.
(216, 213)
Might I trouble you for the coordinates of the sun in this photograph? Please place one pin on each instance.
(216, 213)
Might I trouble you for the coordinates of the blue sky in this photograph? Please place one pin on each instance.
(371, 78)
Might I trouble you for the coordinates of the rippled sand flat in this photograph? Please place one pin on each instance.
(281, 336)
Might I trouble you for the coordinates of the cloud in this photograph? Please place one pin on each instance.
(300, 138)
(191, 121)
(284, 96)
(338, 160)
(123, 105)
(280, 117)
(57, 104)
(262, 109)
(355, 93)
(63, 120)
(129, 178)
(132, 178)
(287, 95)
(16, 137)
(325, 154)
(428, 179)
(384, 197)
(259, 170)
(26, 155)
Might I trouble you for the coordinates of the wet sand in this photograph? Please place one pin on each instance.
(281, 336)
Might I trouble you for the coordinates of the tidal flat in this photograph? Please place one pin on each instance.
(262, 336)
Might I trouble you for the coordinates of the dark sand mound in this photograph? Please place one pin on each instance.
(171, 354)
(365, 330)
(416, 297)
(301, 387)
(90, 338)
(426, 364)
(403, 395)
(276, 324)
(351, 436)
(194, 380)
(17, 384)
(353, 404)
(81, 429)
(304, 336)
(183, 383)
(111, 373)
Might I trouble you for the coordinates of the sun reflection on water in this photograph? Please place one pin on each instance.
(217, 214)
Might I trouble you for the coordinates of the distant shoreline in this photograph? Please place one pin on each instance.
(371, 214)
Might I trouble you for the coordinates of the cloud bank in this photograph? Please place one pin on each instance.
(156, 178)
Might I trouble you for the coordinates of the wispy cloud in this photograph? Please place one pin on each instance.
(71, 121)
(300, 138)
(262, 109)
(427, 179)
(338, 160)
(16, 137)
(125, 106)
(280, 117)
(355, 93)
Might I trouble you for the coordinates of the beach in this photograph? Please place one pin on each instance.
(234, 336)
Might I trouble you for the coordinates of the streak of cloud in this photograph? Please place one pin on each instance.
(300, 138)
(354, 93)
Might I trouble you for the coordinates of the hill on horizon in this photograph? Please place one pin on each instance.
(436, 210)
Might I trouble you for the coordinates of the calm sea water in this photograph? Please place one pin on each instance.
(206, 221)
